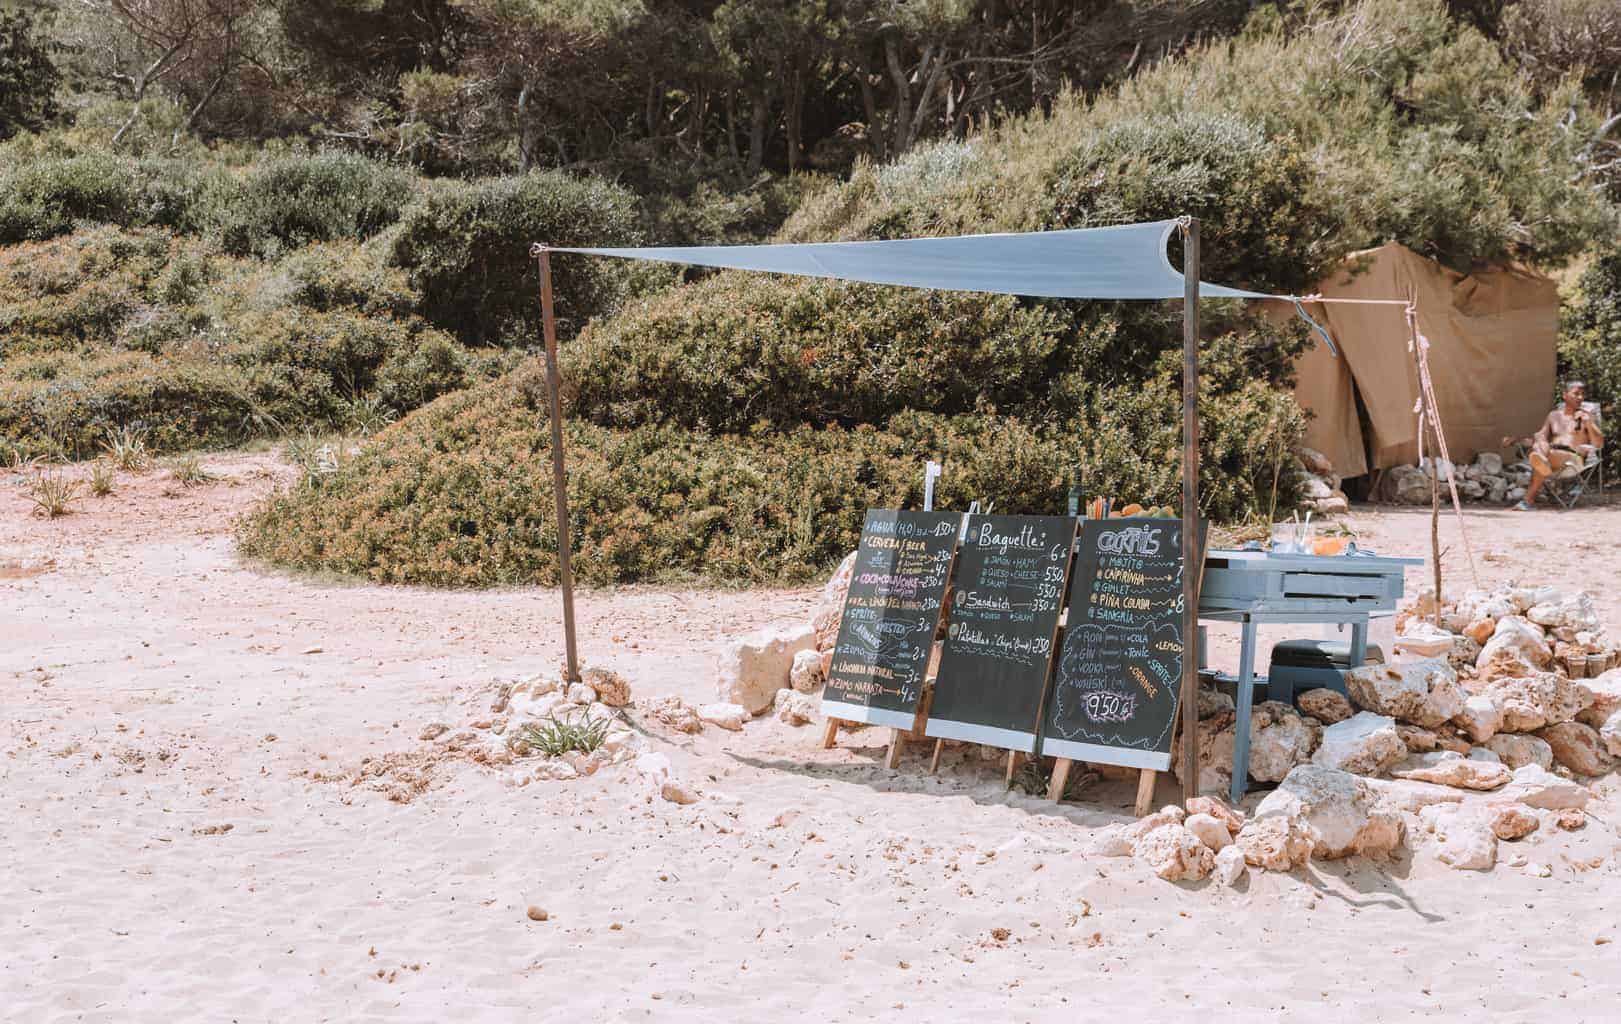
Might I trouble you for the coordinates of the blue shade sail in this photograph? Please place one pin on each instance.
(1124, 262)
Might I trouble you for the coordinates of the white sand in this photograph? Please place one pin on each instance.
(154, 690)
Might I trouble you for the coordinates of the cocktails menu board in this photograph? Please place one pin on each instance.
(1116, 688)
(1009, 588)
(891, 613)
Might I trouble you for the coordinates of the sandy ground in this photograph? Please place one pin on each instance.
(171, 853)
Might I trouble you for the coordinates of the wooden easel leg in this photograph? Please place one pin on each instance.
(1055, 792)
(1012, 766)
(893, 758)
(934, 762)
(1145, 792)
(830, 736)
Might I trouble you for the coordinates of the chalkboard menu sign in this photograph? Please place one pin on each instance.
(1120, 666)
(993, 670)
(891, 614)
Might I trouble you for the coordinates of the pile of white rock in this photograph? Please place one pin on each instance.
(1486, 479)
(1485, 741)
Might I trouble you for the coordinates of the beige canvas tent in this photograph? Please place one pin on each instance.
(1492, 349)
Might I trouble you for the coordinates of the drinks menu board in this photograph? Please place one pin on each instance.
(1009, 581)
(891, 613)
(1116, 688)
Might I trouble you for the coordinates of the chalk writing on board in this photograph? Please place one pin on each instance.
(890, 616)
(1009, 587)
(1120, 662)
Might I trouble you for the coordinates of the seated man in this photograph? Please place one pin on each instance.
(1568, 435)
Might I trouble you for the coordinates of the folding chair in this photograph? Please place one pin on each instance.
(1567, 486)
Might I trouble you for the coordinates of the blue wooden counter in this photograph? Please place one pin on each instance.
(1256, 587)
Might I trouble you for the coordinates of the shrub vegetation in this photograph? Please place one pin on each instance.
(734, 428)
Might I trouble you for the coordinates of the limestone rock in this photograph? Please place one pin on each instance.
(678, 792)
(1483, 754)
(1215, 753)
(1511, 821)
(677, 714)
(1217, 808)
(554, 769)
(1213, 702)
(830, 608)
(1424, 691)
(1325, 705)
(1490, 463)
(751, 669)
(1211, 831)
(579, 693)
(1175, 854)
(611, 687)
(1570, 819)
(1480, 718)
(1364, 744)
(1534, 700)
(1401, 796)
(1464, 654)
(1517, 750)
(1444, 768)
(1463, 838)
(1276, 844)
(1577, 747)
(1610, 733)
(1417, 741)
(724, 716)
(796, 708)
(1515, 639)
(1480, 630)
(1537, 787)
(1447, 737)
(1230, 866)
(1338, 809)
(805, 674)
(1574, 610)
(1135, 830)
(1280, 739)
(1606, 690)
(1314, 461)
(1481, 604)
(1113, 841)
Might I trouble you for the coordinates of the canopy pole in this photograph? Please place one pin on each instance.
(1191, 555)
(559, 475)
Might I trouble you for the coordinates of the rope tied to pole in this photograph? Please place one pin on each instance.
(1426, 406)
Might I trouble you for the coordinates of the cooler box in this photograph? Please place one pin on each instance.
(1309, 664)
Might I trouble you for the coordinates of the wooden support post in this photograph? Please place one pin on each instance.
(1055, 792)
(554, 407)
(1145, 792)
(892, 758)
(831, 735)
(1012, 766)
(934, 762)
(1190, 520)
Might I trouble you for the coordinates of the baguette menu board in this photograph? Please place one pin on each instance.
(890, 616)
(1004, 613)
(1116, 689)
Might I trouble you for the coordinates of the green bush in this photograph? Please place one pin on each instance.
(289, 202)
(737, 349)
(1590, 343)
(458, 494)
(62, 405)
(466, 248)
(84, 287)
(41, 199)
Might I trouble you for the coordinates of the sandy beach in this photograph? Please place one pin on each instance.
(195, 832)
